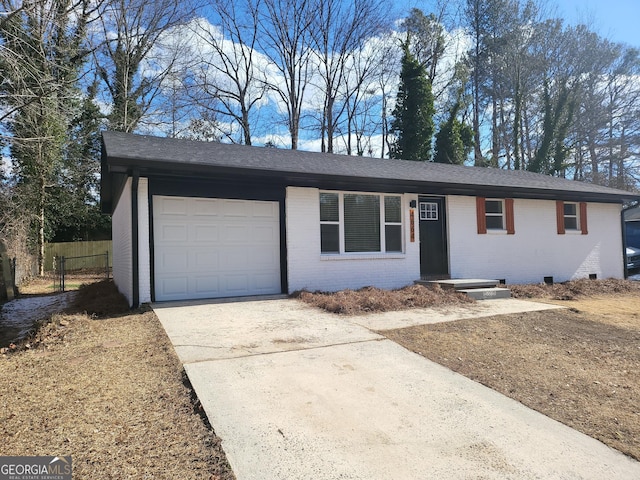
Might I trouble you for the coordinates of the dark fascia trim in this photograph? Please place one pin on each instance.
(326, 181)
(106, 200)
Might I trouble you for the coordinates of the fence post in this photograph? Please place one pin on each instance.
(107, 265)
(14, 263)
(62, 271)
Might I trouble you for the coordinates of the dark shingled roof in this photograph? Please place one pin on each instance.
(123, 152)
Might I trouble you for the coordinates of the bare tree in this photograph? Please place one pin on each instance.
(285, 39)
(228, 80)
(339, 33)
(130, 29)
(371, 76)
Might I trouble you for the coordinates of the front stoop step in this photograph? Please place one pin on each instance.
(478, 288)
(487, 293)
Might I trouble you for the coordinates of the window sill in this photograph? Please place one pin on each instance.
(361, 256)
(496, 231)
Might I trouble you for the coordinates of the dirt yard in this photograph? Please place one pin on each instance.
(580, 365)
(106, 388)
(103, 384)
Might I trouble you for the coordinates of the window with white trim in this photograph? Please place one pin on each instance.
(360, 222)
(494, 213)
(571, 217)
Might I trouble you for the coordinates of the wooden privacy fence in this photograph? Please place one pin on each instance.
(94, 253)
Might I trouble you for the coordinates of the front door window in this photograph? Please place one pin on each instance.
(428, 211)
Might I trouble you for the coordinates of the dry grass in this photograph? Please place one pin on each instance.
(375, 300)
(575, 289)
(106, 387)
(580, 366)
(46, 284)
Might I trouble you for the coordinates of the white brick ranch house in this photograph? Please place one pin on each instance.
(205, 220)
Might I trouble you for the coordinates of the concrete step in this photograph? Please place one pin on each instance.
(460, 283)
(487, 293)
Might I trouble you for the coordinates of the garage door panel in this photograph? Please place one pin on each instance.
(215, 248)
(234, 259)
(174, 260)
(264, 210)
(205, 233)
(236, 208)
(173, 205)
(237, 283)
(264, 257)
(266, 234)
(205, 260)
(172, 233)
(207, 284)
(234, 233)
(208, 207)
(174, 288)
(264, 282)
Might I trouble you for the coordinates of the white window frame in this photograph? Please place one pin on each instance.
(424, 214)
(502, 214)
(383, 225)
(576, 216)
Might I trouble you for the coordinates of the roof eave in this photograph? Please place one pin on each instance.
(148, 167)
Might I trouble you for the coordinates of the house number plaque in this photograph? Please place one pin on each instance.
(412, 228)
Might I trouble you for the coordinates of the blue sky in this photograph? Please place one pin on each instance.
(618, 20)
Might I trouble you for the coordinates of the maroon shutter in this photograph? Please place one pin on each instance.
(481, 214)
(511, 227)
(560, 216)
(583, 218)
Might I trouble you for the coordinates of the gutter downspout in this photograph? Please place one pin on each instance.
(135, 277)
(624, 237)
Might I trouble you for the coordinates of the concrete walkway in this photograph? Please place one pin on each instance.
(295, 393)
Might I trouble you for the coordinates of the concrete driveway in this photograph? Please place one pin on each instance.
(295, 393)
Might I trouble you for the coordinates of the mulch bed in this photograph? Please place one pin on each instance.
(575, 289)
(375, 300)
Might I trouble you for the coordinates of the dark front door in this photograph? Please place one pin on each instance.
(433, 236)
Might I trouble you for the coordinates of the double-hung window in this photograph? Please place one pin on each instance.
(360, 223)
(495, 215)
(571, 217)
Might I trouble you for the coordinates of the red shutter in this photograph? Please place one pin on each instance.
(511, 227)
(583, 218)
(481, 214)
(560, 216)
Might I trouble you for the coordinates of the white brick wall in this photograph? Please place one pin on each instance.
(536, 250)
(123, 245)
(122, 251)
(144, 254)
(308, 269)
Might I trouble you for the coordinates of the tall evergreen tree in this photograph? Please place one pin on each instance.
(413, 115)
(52, 129)
(40, 64)
(454, 140)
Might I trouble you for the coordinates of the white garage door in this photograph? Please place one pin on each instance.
(208, 248)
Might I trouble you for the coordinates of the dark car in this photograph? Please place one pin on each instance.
(633, 258)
